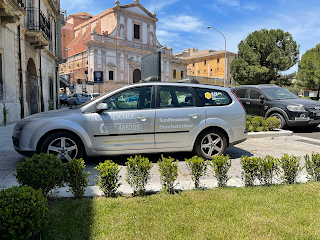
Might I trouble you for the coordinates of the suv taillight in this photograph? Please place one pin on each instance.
(238, 100)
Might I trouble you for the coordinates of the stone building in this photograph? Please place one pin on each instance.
(112, 42)
(207, 66)
(29, 54)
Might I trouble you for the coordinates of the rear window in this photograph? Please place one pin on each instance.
(213, 97)
(241, 93)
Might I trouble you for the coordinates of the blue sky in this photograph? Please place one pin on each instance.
(182, 23)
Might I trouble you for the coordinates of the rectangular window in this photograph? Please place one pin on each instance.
(193, 64)
(1, 80)
(50, 89)
(218, 60)
(213, 97)
(110, 75)
(136, 31)
(181, 74)
(205, 62)
(204, 71)
(171, 97)
(174, 74)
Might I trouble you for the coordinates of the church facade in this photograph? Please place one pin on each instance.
(115, 41)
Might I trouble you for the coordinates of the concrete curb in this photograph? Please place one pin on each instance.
(274, 133)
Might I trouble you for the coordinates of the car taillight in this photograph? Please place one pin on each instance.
(78, 99)
(238, 100)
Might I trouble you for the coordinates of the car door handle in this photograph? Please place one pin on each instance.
(193, 115)
(142, 118)
(248, 103)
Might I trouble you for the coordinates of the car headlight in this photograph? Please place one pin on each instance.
(295, 108)
(18, 127)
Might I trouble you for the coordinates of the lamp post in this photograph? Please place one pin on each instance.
(225, 54)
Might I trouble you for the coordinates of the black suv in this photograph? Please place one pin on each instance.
(274, 101)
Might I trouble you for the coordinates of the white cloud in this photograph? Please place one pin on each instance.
(158, 6)
(181, 23)
(222, 5)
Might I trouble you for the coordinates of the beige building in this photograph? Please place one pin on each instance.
(207, 66)
(29, 54)
(112, 42)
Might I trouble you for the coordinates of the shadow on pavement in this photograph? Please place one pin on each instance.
(305, 130)
(235, 152)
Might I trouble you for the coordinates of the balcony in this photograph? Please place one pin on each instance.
(11, 10)
(38, 27)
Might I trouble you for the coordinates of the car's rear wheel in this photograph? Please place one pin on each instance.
(210, 143)
(65, 145)
(283, 123)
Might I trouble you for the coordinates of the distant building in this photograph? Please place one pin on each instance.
(30, 51)
(207, 66)
(112, 42)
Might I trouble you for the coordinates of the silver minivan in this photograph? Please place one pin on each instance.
(139, 118)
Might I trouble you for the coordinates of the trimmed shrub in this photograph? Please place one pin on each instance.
(108, 178)
(259, 124)
(168, 169)
(138, 173)
(75, 178)
(291, 167)
(23, 212)
(272, 123)
(197, 167)
(249, 172)
(221, 165)
(313, 166)
(268, 168)
(248, 118)
(41, 171)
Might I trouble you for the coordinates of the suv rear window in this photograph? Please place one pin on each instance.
(213, 97)
(241, 93)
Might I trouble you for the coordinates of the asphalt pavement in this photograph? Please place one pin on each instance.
(275, 144)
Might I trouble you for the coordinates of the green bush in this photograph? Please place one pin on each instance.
(291, 167)
(197, 167)
(259, 124)
(23, 212)
(249, 118)
(75, 178)
(108, 178)
(250, 128)
(273, 123)
(168, 169)
(268, 168)
(249, 172)
(313, 166)
(138, 173)
(221, 165)
(41, 171)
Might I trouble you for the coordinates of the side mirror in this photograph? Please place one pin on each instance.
(102, 107)
(261, 98)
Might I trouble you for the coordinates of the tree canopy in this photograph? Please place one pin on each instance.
(309, 69)
(262, 55)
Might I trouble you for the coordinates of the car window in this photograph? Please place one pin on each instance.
(279, 93)
(213, 97)
(241, 93)
(254, 94)
(136, 98)
(171, 96)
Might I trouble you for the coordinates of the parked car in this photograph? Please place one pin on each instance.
(63, 98)
(94, 95)
(274, 101)
(78, 99)
(165, 117)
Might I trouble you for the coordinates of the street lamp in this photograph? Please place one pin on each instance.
(225, 55)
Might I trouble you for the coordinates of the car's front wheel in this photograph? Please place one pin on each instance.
(283, 123)
(65, 145)
(210, 143)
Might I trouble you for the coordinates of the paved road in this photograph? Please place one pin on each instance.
(310, 133)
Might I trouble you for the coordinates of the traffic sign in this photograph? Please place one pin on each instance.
(98, 77)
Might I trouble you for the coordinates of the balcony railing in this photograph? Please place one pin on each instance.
(36, 20)
(21, 3)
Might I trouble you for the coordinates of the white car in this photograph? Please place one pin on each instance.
(78, 99)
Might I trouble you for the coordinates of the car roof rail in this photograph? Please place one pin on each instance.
(151, 79)
(189, 80)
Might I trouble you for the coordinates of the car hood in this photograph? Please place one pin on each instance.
(298, 101)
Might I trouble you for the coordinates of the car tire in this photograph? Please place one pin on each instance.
(65, 145)
(210, 143)
(283, 124)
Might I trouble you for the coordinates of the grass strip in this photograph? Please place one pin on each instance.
(276, 212)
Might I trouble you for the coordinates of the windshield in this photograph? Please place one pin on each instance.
(278, 93)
